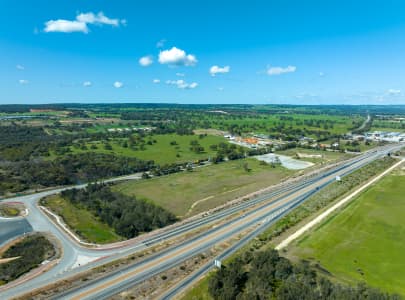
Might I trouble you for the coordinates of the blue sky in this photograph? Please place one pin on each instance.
(297, 52)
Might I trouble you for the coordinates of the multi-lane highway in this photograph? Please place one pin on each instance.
(273, 205)
(114, 283)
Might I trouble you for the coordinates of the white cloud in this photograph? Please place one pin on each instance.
(118, 84)
(181, 84)
(146, 61)
(156, 80)
(20, 67)
(65, 26)
(193, 85)
(98, 19)
(218, 70)
(177, 57)
(280, 70)
(161, 43)
(180, 74)
(23, 81)
(81, 22)
(394, 92)
(87, 83)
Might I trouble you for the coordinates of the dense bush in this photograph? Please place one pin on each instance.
(32, 251)
(68, 169)
(127, 215)
(266, 275)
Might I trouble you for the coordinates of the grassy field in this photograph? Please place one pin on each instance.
(210, 186)
(341, 124)
(199, 291)
(388, 125)
(364, 242)
(84, 222)
(162, 151)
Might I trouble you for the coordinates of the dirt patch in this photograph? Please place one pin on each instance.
(6, 260)
(209, 132)
(304, 155)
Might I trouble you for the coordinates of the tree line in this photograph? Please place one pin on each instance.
(127, 215)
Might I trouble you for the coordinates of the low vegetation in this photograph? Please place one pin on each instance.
(176, 148)
(7, 210)
(363, 243)
(389, 124)
(28, 253)
(188, 193)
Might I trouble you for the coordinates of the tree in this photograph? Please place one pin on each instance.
(246, 167)
(145, 175)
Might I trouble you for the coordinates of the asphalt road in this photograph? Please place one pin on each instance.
(13, 228)
(74, 252)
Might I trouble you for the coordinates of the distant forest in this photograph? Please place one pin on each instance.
(271, 108)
